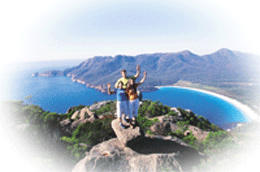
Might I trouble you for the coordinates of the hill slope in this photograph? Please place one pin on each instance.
(56, 142)
(166, 68)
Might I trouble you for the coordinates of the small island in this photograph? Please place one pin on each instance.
(35, 74)
(49, 73)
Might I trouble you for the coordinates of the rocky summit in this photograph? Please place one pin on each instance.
(128, 134)
(89, 138)
(132, 151)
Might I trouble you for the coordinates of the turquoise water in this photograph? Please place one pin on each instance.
(213, 108)
(57, 94)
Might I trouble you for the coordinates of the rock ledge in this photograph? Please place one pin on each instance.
(132, 151)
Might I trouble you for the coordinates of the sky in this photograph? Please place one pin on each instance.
(61, 30)
(47, 30)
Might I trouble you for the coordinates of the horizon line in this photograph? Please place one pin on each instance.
(113, 56)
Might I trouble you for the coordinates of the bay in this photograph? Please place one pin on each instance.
(217, 110)
(57, 94)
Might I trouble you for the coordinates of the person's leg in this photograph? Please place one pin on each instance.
(131, 110)
(136, 107)
(135, 111)
(119, 113)
(125, 109)
(118, 109)
(128, 111)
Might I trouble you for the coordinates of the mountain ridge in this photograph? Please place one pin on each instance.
(223, 65)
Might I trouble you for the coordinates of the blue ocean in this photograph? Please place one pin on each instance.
(57, 94)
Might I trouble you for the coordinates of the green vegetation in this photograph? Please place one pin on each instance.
(73, 110)
(217, 138)
(109, 108)
(217, 141)
(146, 123)
(61, 145)
(45, 130)
(152, 109)
(192, 119)
(87, 135)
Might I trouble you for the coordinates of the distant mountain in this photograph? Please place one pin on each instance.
(166, 68)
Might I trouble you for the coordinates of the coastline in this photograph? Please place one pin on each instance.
(242, 107)
(101, 87)
(252, 115)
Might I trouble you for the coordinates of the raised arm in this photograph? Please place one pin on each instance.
(138, 71)
(109, 89)
(144, 78)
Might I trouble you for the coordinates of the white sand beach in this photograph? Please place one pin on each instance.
(244, 108)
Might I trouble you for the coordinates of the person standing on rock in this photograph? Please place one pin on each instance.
(122, 101)
(125, 78)
(131, 91)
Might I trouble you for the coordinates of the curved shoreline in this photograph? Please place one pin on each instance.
(244, 108)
